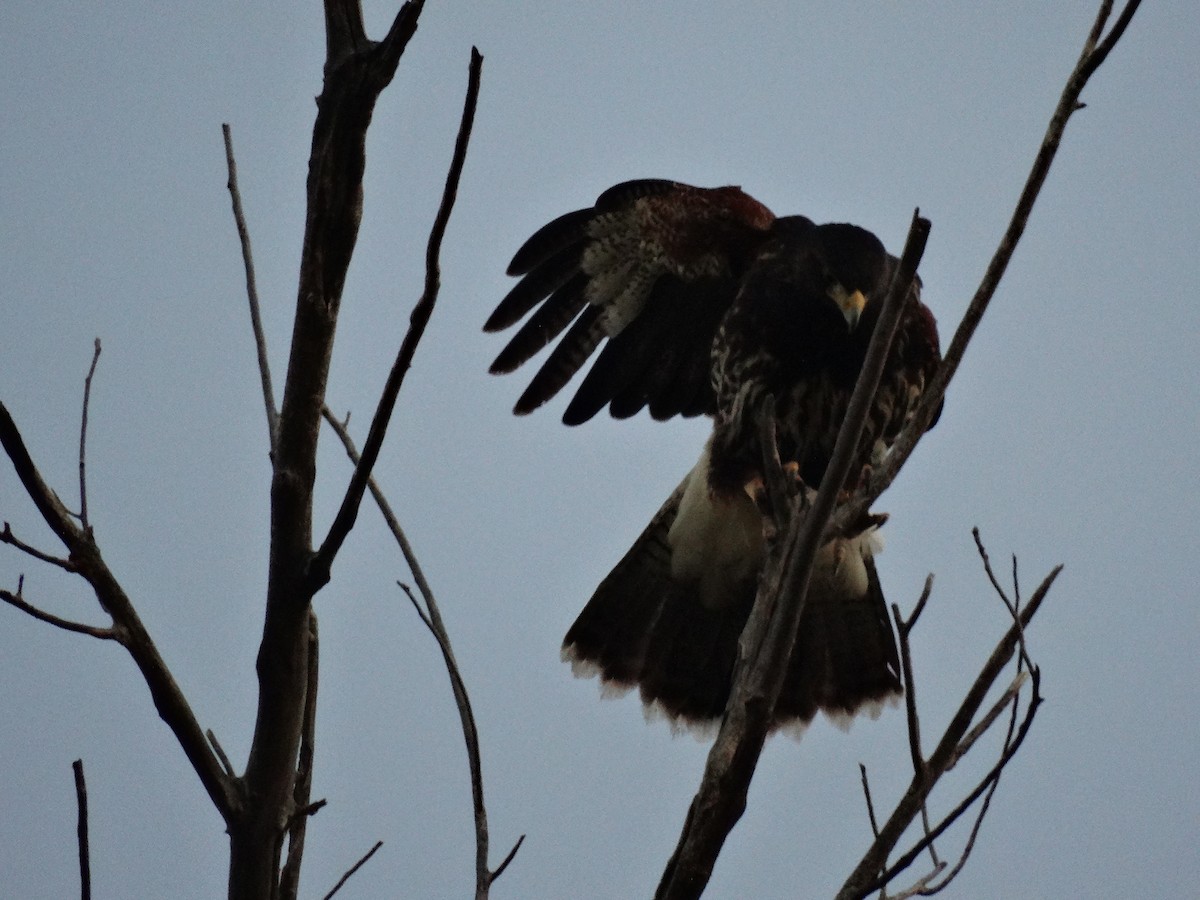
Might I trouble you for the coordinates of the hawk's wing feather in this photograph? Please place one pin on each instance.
(564, 361)
(662, 359)
(551, 240)
(652, 267)
(549, 275)
(555, 314)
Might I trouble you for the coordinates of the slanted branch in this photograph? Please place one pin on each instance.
(770, 631)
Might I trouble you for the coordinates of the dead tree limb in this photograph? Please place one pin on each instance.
(83, 424)
(356, 71)
(348, 512)
(1095, 51)
(260, 337)
(354, 868)
(431, 616)
(957, 738)
(86, 560)
(81, 831)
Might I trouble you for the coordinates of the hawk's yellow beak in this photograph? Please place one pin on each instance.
(851, 305)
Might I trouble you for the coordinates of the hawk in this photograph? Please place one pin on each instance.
(702, 301)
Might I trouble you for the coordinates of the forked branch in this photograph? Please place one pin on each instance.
(85, 559)
(960, 735)
(344, 520)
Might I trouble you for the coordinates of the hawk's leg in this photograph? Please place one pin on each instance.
(791, 485)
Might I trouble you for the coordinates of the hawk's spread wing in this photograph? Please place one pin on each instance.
(653, 267)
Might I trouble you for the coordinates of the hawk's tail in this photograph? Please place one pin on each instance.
(644, 628)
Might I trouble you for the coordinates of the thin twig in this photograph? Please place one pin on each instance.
(87, 396)
(260, 337)
(354, 868)
(907, 625)
(1008, 604)
(920, 769)
(220, 751)
(321, 562)
(499, 870)
(85, 864)
(7, 537)
(968, 801)
(921, 885)
(985, 723)
(910, 698)
(865, 878)
(104, 634)
(862, 771)
(985, 805)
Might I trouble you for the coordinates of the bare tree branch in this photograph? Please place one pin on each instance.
(354, 868)
(986, 784)
(83, 423)
(865, 878)
(15, 600)
(346, 515)
(85, 865)
(356, 72)
(1010, 605)
(1090, 59)
(1014, 694)
(766, 643)
(260, 337)
(862, 771)
(431, 617)
(7, 537)
(220, 751)
(289, 879)
(87, 561)
(920, 771)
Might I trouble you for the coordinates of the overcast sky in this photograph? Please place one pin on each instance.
(1068, 436)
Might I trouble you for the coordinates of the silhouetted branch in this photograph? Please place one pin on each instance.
(7, 537)
(1010, 605)
(959, 736)
(220, 751)
(17, 601)
(862, 771)
(289, 878)
(1090, 59)
(956, 740)
(83, 423)
(354, 868)
(346, 515)
(81, 829)
(128, 629)
(356, 72)
(260, 337)
(431, 617)
(770, 632)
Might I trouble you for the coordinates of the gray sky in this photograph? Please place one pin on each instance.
(1067, 436)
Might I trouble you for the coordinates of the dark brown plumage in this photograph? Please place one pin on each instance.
(702, 301)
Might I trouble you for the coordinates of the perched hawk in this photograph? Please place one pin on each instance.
(705, 302)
